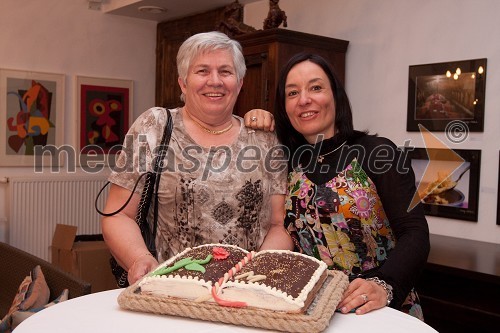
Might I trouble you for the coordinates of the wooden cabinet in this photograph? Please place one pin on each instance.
(460, 286)
(265, 51)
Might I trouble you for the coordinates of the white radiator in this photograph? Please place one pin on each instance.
(38, 204)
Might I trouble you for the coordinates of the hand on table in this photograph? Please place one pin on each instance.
(364, 296)
(259, 119)
(142, 266)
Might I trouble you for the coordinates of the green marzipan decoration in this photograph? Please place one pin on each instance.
(187, 263)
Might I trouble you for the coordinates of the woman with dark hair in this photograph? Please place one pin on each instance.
(287, 134)
(349, 193)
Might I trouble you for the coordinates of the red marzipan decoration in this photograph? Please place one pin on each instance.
(222, 302)
(220, 253)
(222, 280)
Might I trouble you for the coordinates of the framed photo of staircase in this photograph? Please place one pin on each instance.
(447, 96)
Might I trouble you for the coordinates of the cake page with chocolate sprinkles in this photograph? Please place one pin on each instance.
(192, 273)
(277, 280)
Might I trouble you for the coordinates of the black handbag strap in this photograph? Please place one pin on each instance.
(150, 184)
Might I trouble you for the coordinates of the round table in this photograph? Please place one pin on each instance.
(99, 312)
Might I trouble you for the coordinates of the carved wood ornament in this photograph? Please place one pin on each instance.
(275, 17)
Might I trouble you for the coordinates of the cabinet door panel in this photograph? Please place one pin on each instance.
(168, 91)
(255, 91)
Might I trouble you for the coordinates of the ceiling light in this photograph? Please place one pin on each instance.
(152, 9)
(95, 4)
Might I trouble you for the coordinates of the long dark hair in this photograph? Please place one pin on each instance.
(287, 135)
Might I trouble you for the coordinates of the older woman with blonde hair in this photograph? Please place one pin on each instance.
(222, 183)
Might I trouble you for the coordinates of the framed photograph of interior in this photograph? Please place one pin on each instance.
(448, 185)
(442, 93)
(32, 118)
(104, 113)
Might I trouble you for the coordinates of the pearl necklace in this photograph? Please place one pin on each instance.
(208, 130)
(321, 157)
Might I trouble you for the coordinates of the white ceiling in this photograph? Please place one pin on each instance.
(174, 8)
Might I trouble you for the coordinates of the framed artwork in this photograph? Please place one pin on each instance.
(447, 187)
(104, 113)
(32, 117)
(441, 93)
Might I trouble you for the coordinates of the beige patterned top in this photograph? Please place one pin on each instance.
(206, 195)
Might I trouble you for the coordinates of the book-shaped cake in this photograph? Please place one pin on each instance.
(275, 280)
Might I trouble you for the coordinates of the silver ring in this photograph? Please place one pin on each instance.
(253, 118)
(364, 297)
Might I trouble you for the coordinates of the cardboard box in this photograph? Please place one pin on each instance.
(88, 260)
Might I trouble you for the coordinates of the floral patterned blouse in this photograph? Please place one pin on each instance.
(341, 220)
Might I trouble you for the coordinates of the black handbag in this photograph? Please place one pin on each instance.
(150, 188)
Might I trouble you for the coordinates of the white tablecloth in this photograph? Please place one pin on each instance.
(100, 312)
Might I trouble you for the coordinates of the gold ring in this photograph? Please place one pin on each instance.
(364, 297)
(254, 118)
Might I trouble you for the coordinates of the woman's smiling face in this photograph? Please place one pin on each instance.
(211, 85)
(309, 101)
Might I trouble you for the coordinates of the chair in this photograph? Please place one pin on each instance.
(16, 264)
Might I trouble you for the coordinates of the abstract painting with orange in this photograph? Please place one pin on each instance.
(28, 115)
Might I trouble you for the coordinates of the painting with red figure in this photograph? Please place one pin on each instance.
(104, 112)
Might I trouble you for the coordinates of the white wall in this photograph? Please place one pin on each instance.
(64, 37)
(387, 36)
